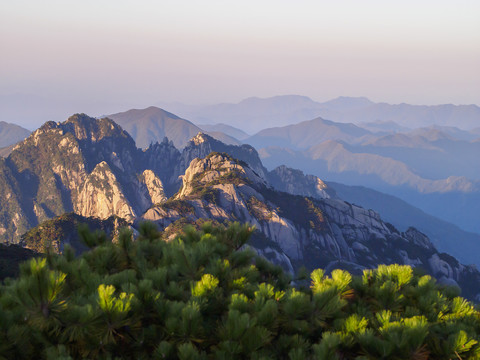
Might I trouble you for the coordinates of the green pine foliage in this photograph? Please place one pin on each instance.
(206, 295)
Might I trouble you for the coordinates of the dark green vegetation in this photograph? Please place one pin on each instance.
(203, 295)
(10, 258)
(52, 235)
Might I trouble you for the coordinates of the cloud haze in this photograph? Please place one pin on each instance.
(140, 53)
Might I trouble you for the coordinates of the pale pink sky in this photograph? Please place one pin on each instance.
(143, 52)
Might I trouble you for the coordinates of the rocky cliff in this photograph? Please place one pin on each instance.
(85, 165)
(92, 168)
(297, 231)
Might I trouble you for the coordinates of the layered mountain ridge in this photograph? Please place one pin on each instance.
(150, 125)
(296, 231)
(253, 113)
(92, 167)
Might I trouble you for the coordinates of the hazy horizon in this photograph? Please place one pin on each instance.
(109, 56)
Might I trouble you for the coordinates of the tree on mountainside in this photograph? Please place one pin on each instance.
(205, 295)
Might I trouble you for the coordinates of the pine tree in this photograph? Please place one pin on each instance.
(206, 295)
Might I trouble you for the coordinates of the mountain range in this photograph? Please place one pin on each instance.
(435, 168)
(435, 160)
(255, 114)
(427, 167)
(93, 168)
(150, 125)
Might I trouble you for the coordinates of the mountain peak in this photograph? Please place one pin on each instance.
(348, 103)
(85, 127)
(153, 123)
(278, 99)
(149, 112)
(216, 168)
(201, 138)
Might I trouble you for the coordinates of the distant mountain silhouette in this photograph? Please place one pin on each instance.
(150, 125)
(11, 134)
(226, 129)
(383, 126)
(347, 103)
(5, 151)
(306, 134)
(463, 116)
(453, 198)
(402, 215)
(254, 114)
(436, 132)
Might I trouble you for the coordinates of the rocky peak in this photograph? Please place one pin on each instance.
(295, 182)
(102, 196)
(165, 160)
(200, 138)
(154, 187)
(47, 126)
(216, 168)
(418, 238)
(85, 127)
(202, 145)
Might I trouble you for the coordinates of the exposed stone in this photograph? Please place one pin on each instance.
(154, 186)
(101, 196)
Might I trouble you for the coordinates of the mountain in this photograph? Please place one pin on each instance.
(338, 161)
(462, 116)
(347, 103)
(85, 165)
(431, 155)
(296, 231)
(455, 199)
(383, 126)
(435, 168)
(92, 168)
(54, 234)
(152, 124)
(10, 258)
(295, 182)
(446, 236)
(306, 134)
(446, 132)
(394, 210)
(224, 138)
(226, 129)
(255, 114)
(252, 114)
(11, 134)
(5, 151)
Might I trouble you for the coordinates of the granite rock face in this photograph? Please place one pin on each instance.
(85, 165)
(91, 167)
(295, 230)
(296, 182)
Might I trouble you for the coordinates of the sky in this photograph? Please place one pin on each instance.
(107, 56)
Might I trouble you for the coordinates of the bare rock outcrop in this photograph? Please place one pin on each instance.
(102, 196)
